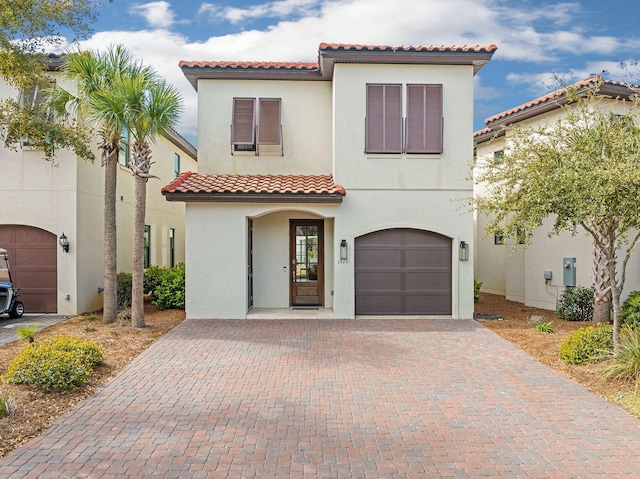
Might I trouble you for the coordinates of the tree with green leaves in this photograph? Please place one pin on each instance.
(154, 109)
(27, 29)
(102, 79)
(583, 172)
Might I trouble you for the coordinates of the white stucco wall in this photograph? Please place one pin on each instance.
(306, 127)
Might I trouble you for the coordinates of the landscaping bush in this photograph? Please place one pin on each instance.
(576, 304)
(62, 362)
(588, 345)
(152, 278)
(124, 290)
(625, 364)
(170, 293)
(6, 404)
(631, 309)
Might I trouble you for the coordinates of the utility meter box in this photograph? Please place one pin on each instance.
(569, 271)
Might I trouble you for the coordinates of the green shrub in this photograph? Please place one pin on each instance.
(170, 293)
(62, 362)
(124, 290)
(476, 290)
(152, 278)
(625, 364)
(631, 309)
(576, 304)
(545, 327)
(587, 345)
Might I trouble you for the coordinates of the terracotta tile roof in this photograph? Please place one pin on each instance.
(591, 81)
(251, 65)
(252, 186)
(426, 48)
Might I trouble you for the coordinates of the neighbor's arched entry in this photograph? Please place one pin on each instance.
(33, 258)
(403, 271)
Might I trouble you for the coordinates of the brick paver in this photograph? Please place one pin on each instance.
(405, 398)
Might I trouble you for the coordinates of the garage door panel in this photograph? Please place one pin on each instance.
(428, 257)
(35, 279)
(403, 271)
(378, 303)
(34, 258)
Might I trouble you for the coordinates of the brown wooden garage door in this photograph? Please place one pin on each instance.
(403, 272)
(32, 257)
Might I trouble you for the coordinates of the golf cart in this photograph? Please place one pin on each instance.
(8, 295)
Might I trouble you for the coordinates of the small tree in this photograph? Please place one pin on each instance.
(584, 172)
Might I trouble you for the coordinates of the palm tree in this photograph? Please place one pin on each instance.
(99, 78)
(154, 109)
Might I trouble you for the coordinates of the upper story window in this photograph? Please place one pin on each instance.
(176, 165)
(384, 119)
(422, 132)
(123, 156)
(498, 157)
(255, 122)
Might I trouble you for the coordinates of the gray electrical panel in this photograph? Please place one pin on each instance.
(569, 271)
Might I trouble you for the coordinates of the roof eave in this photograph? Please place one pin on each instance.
(194, 74)
(476, 59)
(200, 197)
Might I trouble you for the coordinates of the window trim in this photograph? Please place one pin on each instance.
(176, 165)
(146, 257)
(172, 247)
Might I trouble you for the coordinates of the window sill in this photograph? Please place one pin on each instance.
(400, 156)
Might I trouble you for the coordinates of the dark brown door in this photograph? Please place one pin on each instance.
(306, 247)
(33, 260)
(403, 271)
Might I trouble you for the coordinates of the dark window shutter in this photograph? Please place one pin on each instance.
(243, 121)
(269, 121)
(384, 119)
(424, 118)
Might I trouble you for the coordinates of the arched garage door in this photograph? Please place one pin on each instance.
(402, 272)
(32, 257)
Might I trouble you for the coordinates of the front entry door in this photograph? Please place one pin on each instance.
(306, 250)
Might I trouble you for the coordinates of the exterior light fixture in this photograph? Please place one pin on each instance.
(464, 251)
(344, 251)
(64, 243)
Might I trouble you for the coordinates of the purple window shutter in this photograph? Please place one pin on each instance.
(384, 119)
(243, 121)
(424, 119)
(269, 121)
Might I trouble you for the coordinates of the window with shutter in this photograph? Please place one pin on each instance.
(424, 119)
(269, 121)
(243, 121)
(384, 119)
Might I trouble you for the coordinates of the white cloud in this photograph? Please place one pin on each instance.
(295, 28)
(157, 14)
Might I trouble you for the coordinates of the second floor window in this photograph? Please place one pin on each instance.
(176, 165)
(255, 122)
(123, 157)
(422, 132)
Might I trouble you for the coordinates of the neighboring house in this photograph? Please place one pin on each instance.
(41, 201)
(521, 274)
(333, 184)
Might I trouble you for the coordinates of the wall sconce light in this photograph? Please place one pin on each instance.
(464, 251)
(344, 251)
(64, 242)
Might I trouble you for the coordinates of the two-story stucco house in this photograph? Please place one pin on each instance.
(333, 184)
(42, 201)
(538, 274)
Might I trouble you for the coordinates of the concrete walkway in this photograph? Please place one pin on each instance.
(332, 399)
(9, 327)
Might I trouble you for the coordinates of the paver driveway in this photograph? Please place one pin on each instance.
(335, 398)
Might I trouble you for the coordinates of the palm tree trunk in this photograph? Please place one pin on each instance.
(137, 273)
(110, 294)
(601, 283)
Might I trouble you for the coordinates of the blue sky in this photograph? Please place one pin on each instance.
(536, 40)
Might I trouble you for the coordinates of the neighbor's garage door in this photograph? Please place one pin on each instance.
(402, 272)
(32, 258)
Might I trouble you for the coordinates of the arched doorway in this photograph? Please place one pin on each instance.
(33, 258)
(403, 271)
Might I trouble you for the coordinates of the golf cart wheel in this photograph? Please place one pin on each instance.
(17, 311)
